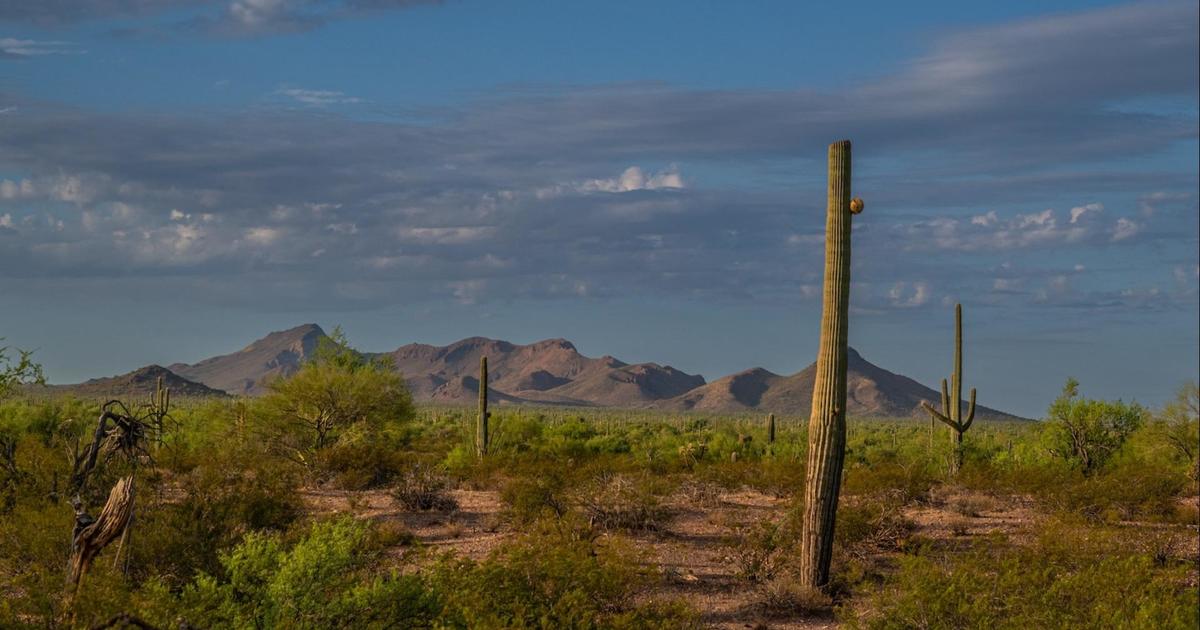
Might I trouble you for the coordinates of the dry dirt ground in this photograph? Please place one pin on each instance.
(691, 548)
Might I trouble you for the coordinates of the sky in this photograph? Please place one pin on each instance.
(646, 179)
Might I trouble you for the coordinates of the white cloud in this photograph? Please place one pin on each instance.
(1036, 229)
(633, 178)
(985, 219)
(1151, 203)
(910, 295)
(263, 235)
(319, 98)
(1124, 229)
(1078, 211)
(467, 291)
(1006, 284)
(35, 48)
(13, 189)
(444, 235)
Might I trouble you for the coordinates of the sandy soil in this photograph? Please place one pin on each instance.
(691, 548)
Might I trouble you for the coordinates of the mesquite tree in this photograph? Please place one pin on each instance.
(827, 424)
(951, 413)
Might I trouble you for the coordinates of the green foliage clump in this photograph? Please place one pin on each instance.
(532, 497)
(339, 390)
(558, 576)
(322, 580)
(13, 374)
(1087, 433)
(1071, 575)
(228, 494)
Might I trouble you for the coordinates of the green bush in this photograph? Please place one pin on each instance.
(529, 498)
(556, 577)
(323, 580)
(1071, 577)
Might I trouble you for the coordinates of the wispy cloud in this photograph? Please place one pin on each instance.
(13, 48)
(318, 98)
(217, 17)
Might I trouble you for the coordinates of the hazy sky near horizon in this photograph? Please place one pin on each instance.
(647, 179)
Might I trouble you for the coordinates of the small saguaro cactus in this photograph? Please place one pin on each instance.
(771, 429)
(951, 414)
(160, 406)
(481, 423)
(827, 423)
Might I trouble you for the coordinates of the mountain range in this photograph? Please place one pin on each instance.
(549, 372)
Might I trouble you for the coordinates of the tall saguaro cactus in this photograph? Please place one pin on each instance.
(952, 414)
(771, 428)
(827, 423)
(481, 423)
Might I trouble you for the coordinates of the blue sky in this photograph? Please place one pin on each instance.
(179, 177)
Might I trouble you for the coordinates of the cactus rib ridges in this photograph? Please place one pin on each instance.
(827, 423)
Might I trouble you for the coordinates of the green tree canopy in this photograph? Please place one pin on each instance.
(337, 389)
(23, 371)
(1087, 432)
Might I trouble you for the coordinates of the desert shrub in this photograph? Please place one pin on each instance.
(701, 493)
(17, 367)
(971, 505)
(423, 487)
(784, 596)
(1129, 492)
(762, 550)
(904, 481)
(34, 548)
(529, 498)
(322, 580)
(1178, 426)
(359, 464)
(621, 501)
(779, 477)
(552, 578)
(1086, 433)
(866, 525)
(1070, 577)
(210, 508)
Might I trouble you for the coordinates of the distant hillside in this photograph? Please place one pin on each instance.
(138, 384)
(870, 391)
(549, 372)
(248, 370)
(553, 372)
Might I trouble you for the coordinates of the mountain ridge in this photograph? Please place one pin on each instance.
(554, 372)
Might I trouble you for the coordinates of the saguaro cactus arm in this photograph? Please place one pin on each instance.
(970, 412)
(937, 414)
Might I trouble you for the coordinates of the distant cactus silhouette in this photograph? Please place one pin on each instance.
(827, 423)
(771, 429)
(952, 414)
(160, 406)
(481, 423)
